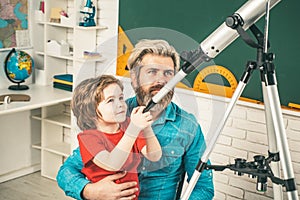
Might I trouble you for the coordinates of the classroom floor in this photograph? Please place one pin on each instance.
(31, 187)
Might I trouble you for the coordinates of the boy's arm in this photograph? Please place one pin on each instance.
(114, 160)
(152, 151)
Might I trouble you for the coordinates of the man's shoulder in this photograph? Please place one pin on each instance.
(183, 113)
(131, 102)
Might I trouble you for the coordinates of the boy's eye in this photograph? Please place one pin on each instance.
(110, 100)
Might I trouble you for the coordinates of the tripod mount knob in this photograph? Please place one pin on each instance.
(234, 21)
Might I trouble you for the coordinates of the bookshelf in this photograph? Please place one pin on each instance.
(59, 48)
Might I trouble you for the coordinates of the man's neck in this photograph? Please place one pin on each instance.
(155, 115)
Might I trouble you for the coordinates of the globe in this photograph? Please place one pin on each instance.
(18, 66)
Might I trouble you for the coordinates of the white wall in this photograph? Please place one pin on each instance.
(243, 136)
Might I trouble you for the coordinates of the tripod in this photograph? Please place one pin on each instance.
(261, 168)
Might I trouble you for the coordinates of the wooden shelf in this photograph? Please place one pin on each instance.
(61, 57)
(37, 146)
(62, 149)
(60, 120)
(91, 27)
(37, 117)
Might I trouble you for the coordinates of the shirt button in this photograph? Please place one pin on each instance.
(172, 152)
(143, 168)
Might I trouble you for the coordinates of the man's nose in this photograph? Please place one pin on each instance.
(161, 78)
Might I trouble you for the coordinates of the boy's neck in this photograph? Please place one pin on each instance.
(108, 128)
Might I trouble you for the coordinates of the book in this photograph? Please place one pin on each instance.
(63, 86)
(64, 77)
(91, 55)
(62, 81)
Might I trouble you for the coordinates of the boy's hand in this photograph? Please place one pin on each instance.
(139, 119)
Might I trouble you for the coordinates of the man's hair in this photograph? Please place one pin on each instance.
(156, 47)
(86, 97)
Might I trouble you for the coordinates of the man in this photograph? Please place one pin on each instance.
(152, 64)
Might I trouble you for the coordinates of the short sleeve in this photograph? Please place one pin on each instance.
(90, 145)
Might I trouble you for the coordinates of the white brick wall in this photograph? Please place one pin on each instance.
(243, 136)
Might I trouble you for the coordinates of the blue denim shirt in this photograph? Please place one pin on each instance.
(182, 144)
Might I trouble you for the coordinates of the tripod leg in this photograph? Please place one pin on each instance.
(269, 78)
(202, 162)
(273, 148)
(285, 158)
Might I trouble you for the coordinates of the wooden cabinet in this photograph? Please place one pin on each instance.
(41, 133)
(50, 39)
(35, 134)
(55, 137)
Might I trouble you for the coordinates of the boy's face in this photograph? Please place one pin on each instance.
(113, 107)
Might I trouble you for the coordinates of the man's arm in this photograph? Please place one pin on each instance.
(74, 184)
(204, 189)
(69, 177)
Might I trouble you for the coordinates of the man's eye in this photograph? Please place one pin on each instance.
(152, 72)
(169, 73)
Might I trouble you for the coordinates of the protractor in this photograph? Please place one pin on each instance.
(223, 89)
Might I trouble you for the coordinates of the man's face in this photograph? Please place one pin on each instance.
(154, 73)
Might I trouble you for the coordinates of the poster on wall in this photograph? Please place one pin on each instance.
(14, 23)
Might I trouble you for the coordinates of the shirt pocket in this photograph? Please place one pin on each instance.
(171, 159)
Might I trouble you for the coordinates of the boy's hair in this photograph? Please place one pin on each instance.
(86, 97)
(156, 47)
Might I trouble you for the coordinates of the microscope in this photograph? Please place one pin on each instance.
(89, 12)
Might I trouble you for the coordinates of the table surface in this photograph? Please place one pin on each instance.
(40, 96)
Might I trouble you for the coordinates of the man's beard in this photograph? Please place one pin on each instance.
(144, 97)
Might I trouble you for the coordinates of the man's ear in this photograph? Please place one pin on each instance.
(133, 79)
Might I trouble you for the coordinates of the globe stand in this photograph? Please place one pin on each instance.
(18, 87)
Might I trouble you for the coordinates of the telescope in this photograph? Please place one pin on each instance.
(215, 43)
(261, 168)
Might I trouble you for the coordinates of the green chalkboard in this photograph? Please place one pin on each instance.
(189, 22)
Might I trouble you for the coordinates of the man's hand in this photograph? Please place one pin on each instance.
(107, 189)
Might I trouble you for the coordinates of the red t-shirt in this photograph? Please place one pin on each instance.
(91, 142)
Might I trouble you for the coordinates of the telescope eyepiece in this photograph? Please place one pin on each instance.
(234, 21)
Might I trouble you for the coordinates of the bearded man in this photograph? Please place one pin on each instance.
(152, 64)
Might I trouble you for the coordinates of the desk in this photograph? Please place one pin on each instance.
(40, 96)
(23, 129)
